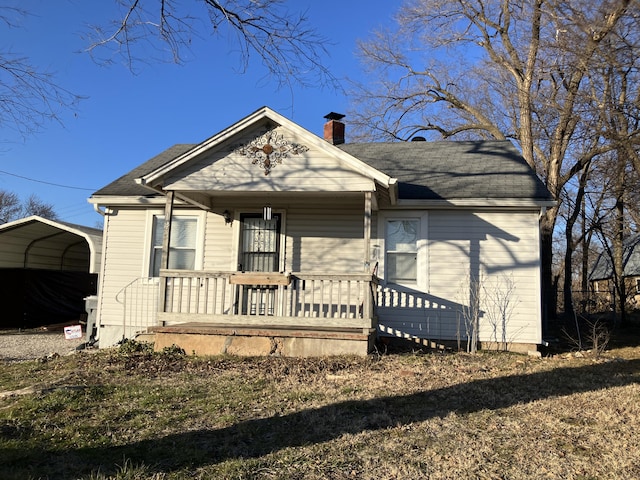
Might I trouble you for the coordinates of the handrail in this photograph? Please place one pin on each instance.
(139, 300)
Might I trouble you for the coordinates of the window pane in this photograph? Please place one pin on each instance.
(183, 232)
(158, 231)
(182, 259)
(402, 235)
(402, 250)
(155, 262)
(182, 251)
(401, 267)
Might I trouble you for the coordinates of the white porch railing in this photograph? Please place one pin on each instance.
(261, 299)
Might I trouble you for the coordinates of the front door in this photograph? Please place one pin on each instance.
(260, 243)
(259, 252)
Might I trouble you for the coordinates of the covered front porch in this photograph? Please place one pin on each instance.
(265, 241)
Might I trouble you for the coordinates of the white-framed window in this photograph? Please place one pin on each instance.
(182, 243)
(403, 248)
(401, 242)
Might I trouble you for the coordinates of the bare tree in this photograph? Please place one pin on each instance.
(12, 208)
(470, 311)
(30, 97)
(35, 206)
(163, 30)
(149, 31)
(492, 68)
(501, 301)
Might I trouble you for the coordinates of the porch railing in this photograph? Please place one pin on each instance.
(257, 299)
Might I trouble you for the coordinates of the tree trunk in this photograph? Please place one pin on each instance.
(618, 246)
(549, 294)
(569, 307)
(584, 284)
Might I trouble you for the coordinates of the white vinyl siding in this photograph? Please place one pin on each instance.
(491, 248)
(123, 262)
(219, 244)
(326, 239)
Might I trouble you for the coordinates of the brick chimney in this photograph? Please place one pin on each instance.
(334, 128)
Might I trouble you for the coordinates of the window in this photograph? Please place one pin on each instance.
(182, 244)
(637, 285)
(402, 250)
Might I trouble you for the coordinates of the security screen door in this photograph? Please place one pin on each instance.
(260, 252)
(260, 244)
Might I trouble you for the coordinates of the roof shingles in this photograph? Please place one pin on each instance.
(425, 170)
(449, 170)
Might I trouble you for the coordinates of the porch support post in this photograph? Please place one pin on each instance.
(166, 236)
(367, 232)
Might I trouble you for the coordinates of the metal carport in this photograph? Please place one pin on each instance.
(47, 268)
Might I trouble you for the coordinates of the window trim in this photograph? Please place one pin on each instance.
(422, 272)
(148, 244)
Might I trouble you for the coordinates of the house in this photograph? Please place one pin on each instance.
(47, 269)
(266, 239)
(601, 277)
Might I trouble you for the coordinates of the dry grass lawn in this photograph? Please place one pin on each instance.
(132, 414)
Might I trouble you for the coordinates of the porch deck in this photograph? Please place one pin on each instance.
(297, 314)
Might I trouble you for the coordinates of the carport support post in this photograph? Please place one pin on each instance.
(166, 237)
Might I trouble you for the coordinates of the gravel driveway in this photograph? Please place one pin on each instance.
(34, 344)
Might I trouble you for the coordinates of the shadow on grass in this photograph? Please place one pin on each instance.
(255, 438)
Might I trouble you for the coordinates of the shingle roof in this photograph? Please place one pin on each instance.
(448, 170)
(126, 185)
(630, 260)
(425, 170)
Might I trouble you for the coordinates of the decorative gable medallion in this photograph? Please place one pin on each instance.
(269, 149)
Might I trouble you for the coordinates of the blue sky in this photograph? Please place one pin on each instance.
(125, 119)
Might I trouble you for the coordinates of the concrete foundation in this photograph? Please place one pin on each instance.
(428, 345)
(199, 339)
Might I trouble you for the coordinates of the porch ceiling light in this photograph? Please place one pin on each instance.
(227, 217)
(266, 212)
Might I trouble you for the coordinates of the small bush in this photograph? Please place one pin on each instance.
(132, 347)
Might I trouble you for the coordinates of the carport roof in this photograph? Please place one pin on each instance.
(27, 231)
